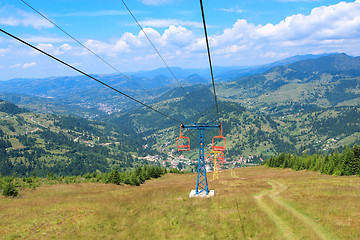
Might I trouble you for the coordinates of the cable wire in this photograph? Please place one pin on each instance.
(163, 60)
(102, 59)
(208, 50)
(106, 85)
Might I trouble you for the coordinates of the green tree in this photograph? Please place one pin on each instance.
(349, 162)
(114, 177)
(10, 190)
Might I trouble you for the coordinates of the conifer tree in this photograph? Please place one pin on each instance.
(349, 163)
(114, 177)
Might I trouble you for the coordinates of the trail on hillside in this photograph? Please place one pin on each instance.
(233, 174)
(280, 224)
(283, 225)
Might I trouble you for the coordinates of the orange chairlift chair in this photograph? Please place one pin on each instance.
(221, 159)
(184, 144)
(217, 141)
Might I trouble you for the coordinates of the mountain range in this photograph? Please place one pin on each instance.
(313, 80)
(299, 105)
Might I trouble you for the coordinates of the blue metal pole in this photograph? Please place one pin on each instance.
(201, 184)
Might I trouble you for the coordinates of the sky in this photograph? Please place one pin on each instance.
(241, 33)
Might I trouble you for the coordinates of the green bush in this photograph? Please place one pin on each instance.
(10, 190)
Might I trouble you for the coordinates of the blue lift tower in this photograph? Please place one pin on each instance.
(201, 185)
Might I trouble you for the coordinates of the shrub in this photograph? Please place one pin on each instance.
(10, 190)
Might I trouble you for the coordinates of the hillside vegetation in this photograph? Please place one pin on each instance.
(39, 144)
(309, 106)
(325, 82)
(347, 163)
(65, 145)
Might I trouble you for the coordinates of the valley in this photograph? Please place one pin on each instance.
(291, 107)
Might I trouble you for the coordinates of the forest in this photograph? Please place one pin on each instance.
(346, 163)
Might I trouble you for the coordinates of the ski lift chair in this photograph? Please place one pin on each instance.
(217, 140)
(183, 143)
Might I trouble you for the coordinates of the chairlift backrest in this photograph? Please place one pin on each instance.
(217, 139)
(221, 156)
(184, 144)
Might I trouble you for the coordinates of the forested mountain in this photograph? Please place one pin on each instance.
(304, 107)
(266, 91)
(328, 81)
(247, 133)
(65, 145)
(10, 108)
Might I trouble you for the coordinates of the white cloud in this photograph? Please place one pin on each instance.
(52, 49)
(99, 13)
(334, 28)
(23, 19)
(15, 65)
(338, 21)
(29, 65)
(177, 36)
(47, 47)
(37, 39)
(65, 47)
(336, 25)
(111, 49)
(96, 46)
(231, 10)
(169, 22)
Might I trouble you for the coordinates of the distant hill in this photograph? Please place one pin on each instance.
(84, 92)
(247, 133)
(248, 71)
(10, 108)
(323, 82)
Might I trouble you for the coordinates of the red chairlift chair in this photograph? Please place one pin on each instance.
(221, 159)
(184, 142)
(217, 140)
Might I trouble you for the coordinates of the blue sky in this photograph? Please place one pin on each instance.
(242, 33)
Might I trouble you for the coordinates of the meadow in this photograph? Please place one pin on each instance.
(249, 203)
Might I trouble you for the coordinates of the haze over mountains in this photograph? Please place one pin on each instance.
(310, 80)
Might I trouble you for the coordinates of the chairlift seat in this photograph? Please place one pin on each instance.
(184, 143)
(220, 148)
(217, 139)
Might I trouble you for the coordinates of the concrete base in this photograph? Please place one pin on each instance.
(202, 194)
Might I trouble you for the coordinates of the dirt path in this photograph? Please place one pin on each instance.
(281, 224)
(233, 174)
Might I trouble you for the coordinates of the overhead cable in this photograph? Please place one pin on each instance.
(208, 51)
(73, 38)
(106, 85)
(163, 60)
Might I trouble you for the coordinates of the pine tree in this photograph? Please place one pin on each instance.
(10, 190)
(349, 168)
(114, 177)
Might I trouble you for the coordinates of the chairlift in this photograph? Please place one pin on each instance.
(221, 159)
(217, 141)
(221, 156)
(184, 144)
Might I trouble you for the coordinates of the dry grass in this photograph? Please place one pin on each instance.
(161, 209)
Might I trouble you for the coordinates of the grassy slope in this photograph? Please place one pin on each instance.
(249, 203)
